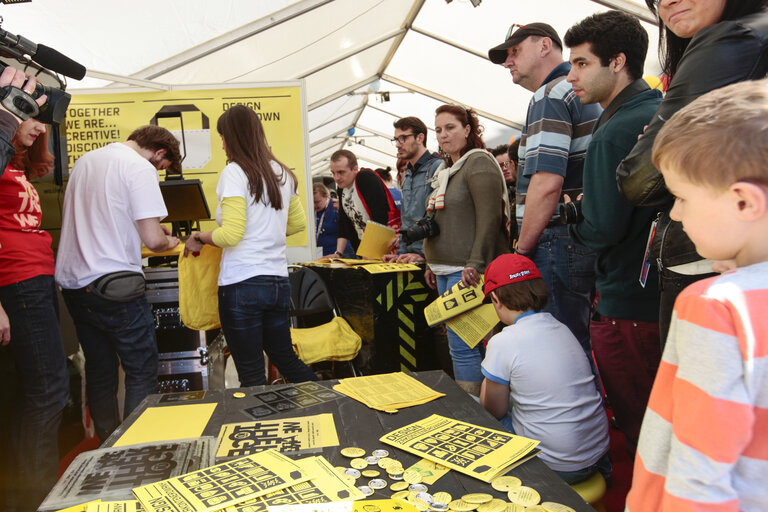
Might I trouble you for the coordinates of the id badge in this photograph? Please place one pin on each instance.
(646, 267)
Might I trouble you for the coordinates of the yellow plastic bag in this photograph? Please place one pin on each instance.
(332, 341)
(199, 289)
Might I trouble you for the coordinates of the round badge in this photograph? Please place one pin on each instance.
(495, 505)
(380, 453)
(370, 473)
(358, 463)
(525, 496)
(412, 477)
(352, 472)
(551, 506)
(477, 497)
(239, 394)
(417, 488)
(399, 486)
(352, 451)
(400, 495)
(425, 497)
(442, 497)
(365, 490)
(506, 483)
(377, 483)
(371, 460)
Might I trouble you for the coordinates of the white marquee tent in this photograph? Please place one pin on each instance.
(349, 52)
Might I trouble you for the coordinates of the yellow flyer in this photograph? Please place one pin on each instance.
(430, 471)
(168, 423)
(376, 240)
(114, 506)
(476, 451)
(473, 325)
(454, 302)
(222, 485)
(83, 507)
(284, 434)
(326, 486)
(385, 268)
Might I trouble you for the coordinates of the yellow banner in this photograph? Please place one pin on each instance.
(284, 434)
(479, 452)
(95, 120)
(222, 485)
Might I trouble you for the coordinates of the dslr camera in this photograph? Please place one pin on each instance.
(423, 228)
(570, 213)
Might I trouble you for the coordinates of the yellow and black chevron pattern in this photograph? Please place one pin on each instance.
(406, 296)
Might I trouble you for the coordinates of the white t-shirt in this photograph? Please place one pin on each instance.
(261, 252)
(552, 395)
(109, 189)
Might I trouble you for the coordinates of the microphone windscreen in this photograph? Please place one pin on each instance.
(58, 62)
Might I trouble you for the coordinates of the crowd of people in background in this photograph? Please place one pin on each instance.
(584, 231)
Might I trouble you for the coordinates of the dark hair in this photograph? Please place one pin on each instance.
(154, 137)
(609, 34)
(500, 150)
(402, 166)
(467, 117)
(671, 47)
(34, 160)
(350, 156)
(384, 174)
(416, 125)
(523, 295)
(513, 149)
(246, 145)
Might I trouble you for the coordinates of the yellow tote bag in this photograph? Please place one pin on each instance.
(198, 289)
(332, 341)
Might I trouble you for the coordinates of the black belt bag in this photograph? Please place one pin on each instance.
(123, 286)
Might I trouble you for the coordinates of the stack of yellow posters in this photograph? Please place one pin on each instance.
(388, 392)
(222, 485)
(479, 452)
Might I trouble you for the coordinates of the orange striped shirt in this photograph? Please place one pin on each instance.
(704, 441)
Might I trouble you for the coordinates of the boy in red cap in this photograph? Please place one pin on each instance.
(537, 381)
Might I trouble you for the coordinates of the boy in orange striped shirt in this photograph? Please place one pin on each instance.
(704, 440)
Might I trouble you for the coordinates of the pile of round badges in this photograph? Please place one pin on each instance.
(407, 486)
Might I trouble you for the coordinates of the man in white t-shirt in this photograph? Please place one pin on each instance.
(112, 205)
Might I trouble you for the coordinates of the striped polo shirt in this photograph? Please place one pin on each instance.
(555, 137)
(704, 441)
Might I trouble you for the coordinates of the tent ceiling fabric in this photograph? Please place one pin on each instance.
(423, 52)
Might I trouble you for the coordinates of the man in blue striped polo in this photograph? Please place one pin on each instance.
(554, 141)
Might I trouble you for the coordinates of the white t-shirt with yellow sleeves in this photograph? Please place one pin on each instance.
(261, 251)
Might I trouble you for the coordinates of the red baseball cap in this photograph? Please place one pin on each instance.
(507, 269)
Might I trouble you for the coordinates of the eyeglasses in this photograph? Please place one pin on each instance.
(504, 165)
(401, 139)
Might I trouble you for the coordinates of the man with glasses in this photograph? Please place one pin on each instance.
(506, 155)
(554, 141)
(410, 140)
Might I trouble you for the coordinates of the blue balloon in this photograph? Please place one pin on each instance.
(351, 131)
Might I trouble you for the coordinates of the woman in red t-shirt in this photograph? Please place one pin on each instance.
(29, 324)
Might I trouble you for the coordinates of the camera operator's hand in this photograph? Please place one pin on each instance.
(16, 78)
(5, 328)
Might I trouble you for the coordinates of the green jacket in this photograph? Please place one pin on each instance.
(615, 229)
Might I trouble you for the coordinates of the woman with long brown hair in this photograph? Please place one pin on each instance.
(255, 191)
(470, 206)
(29, 323)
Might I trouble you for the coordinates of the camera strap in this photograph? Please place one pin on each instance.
(19, 103)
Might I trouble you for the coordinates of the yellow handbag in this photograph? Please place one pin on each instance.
(198, 289)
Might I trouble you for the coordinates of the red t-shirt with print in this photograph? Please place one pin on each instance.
(25, 249)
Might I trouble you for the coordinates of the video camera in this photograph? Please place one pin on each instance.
(47, 64)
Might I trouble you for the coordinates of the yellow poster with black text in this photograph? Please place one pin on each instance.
(97, 119)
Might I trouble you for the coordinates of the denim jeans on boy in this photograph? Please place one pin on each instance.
(466, 361)
(114, 334)
(254, 318)
(38, 354)
(568, 269)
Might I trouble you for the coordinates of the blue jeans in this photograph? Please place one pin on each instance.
(38, 355)
(568, 269)
(466, 361)
(113, 334)
(254, 318)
